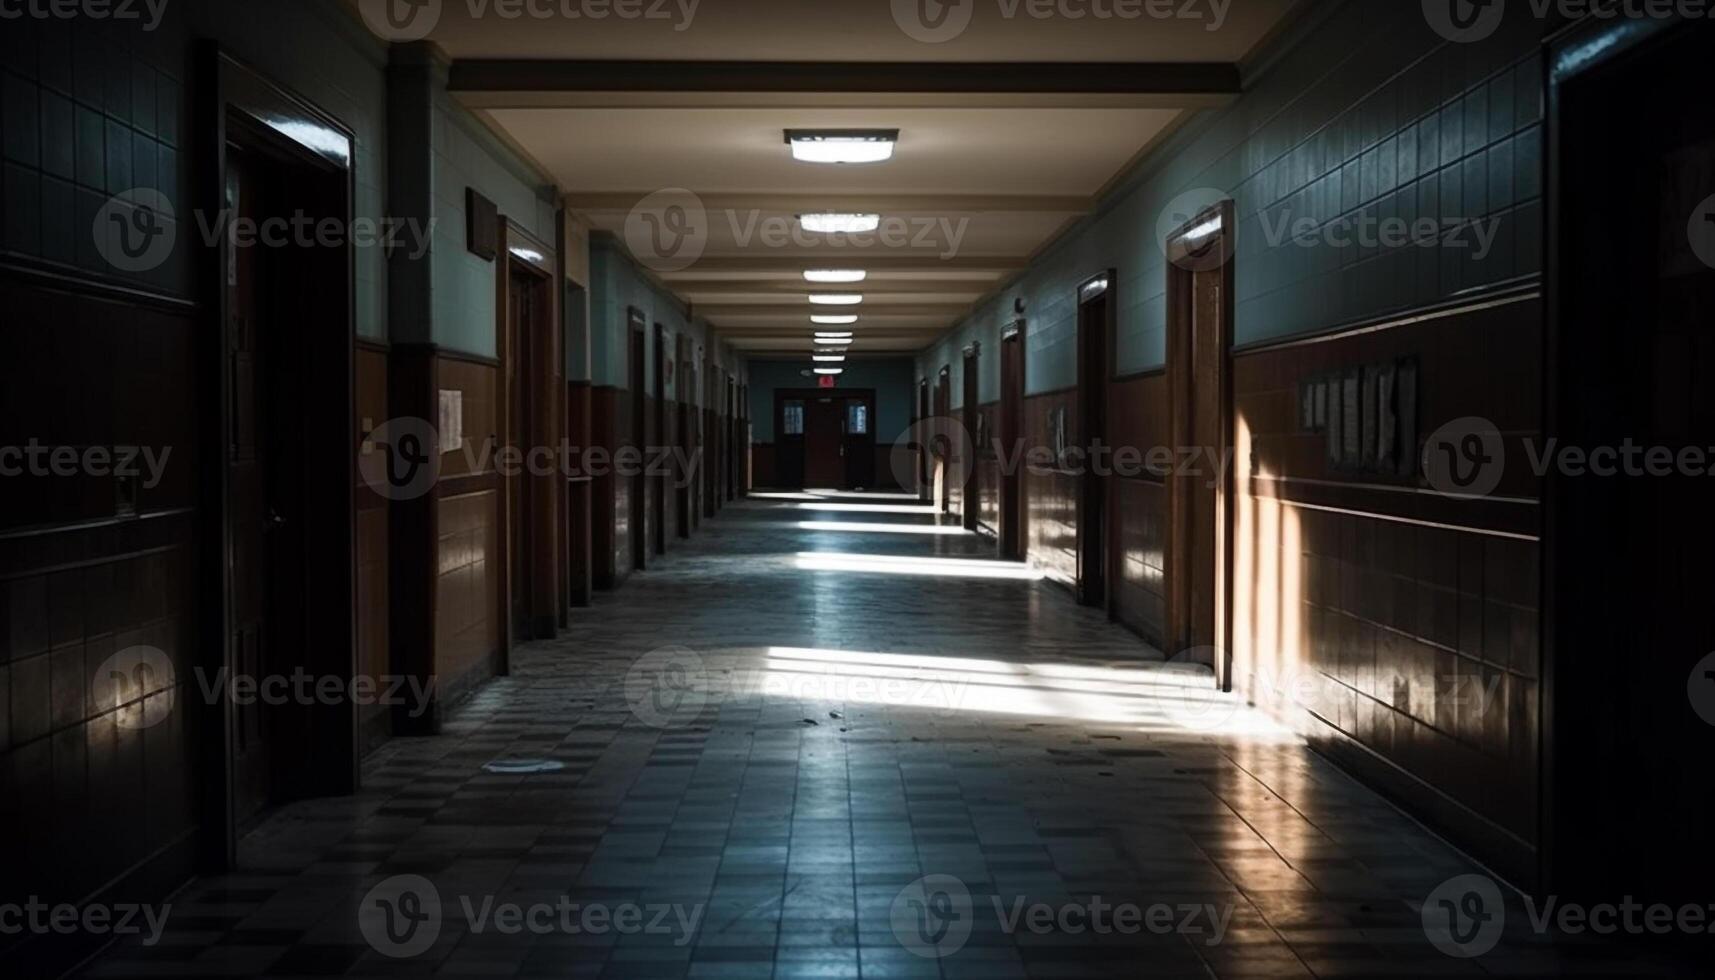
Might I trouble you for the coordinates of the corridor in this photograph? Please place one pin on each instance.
(845, 753)
(1038, 489)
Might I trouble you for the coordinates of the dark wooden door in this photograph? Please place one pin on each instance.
(925, 461)
(520, 315)
(1095, 332)
(661, 411)
(858, 441)
(970, 504)
(1199, 550)
(1012, 436)
(254, 519)
(824, 449)
(940, 448)
(635, 437)
(1629, 648)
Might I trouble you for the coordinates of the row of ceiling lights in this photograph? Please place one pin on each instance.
(838, 146)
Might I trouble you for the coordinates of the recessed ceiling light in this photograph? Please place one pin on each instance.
(828, 222)
(834, 319)
(830, 370)
(836, 299)
(842, 145)
(828, 358)
(835, 275)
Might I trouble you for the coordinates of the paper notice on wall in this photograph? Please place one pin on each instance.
(452, 420)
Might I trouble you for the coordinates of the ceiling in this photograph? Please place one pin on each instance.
(672, 139)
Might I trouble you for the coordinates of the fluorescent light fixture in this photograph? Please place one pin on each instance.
(1204, 230)
(828, 358)
(835, 275)
(830, 370)
(832, 223)
(834, 319)
(833, 337)
(836, 299)
(842, 145)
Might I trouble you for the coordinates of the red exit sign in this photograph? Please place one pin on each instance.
(825, 381)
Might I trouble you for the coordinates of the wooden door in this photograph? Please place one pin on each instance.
(858, 440)
(940, 449)
(660, 410)
(1012, 439)
(824, 450)
(636, 438)
(1200, 499)
(925, 459)
(1628, 667)
(1095, 335)
(970, 505)
(250, 481)
(521, 313)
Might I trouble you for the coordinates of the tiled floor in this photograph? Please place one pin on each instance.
(798, 752)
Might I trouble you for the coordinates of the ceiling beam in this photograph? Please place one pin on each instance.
(867, 311)
(507, 75)
(870, 288)
(882, 203)
(874, 263)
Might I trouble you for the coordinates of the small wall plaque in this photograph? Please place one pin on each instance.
(452, 420)
(482, 225)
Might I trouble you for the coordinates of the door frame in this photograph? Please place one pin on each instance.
(542, 372)
(1011, 427)
(1094, 549)
(247, 108)
(1184, 356)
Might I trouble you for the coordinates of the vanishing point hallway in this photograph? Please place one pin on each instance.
(833, 738)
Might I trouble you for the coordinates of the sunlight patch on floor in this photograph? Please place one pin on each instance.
(1172, 699)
